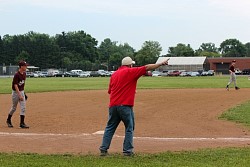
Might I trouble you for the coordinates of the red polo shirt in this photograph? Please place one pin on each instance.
(122, 85)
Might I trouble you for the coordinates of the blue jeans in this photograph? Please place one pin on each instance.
(116, 115)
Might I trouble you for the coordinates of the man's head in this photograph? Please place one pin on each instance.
(23, 65)
(234, 61)
(127, 61)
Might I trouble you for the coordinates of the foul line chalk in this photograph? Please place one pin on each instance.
(42, 134)
(140, 138)
(196, 139)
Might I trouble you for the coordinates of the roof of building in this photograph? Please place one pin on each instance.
(183, 60)
(32, 67)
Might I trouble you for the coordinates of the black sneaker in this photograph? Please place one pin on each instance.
(9, 123)
(237, 88)
(227, 88)
(24, 126)
(128, 154)
(103, 153)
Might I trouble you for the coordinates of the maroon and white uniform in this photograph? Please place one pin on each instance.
(19, 80)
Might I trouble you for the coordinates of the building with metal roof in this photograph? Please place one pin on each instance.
(184, 63)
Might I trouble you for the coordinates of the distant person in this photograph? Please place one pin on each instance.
(122, 89)
(232, 76)
(18, 95)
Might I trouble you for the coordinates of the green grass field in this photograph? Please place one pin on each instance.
(206, 157)
(239, 114)
(65, 84)
(233, 157)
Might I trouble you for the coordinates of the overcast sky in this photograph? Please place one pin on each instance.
(132, 21)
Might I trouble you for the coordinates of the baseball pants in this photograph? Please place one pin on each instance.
(15, 100)
(232, 79)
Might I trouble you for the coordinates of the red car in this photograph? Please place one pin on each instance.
(174, 73)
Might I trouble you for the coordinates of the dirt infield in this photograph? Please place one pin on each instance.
(166, 119)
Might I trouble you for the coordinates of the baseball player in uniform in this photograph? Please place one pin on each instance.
(232, 76)
(18, 94)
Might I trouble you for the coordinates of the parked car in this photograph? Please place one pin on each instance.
(32, 74)
(156, 73)
(210, 73)
(94, 74)
(39, 73)
(204, 73)
(36, 75)
(189, 73)
(238, 72)
(67, 74)
(246, 71)
(29, 74)
(184, 74)
(73, 74)
(102, 73)
(109, 73)
(60, 74)
(174, 73)
(164, 74)
(44, 73)
(76, 71)
(195, 74)
(52, 72)
(84, 74)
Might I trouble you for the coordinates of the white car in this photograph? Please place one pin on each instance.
(238, 72)
(204, 73)
(39, 73)
(84, 74)
(36, 75)
(210, 72)
(184, 74)
(195, 74)
(156, 73)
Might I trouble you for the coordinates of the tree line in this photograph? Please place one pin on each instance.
(79, 50)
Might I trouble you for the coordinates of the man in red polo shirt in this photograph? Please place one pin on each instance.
(122, 89)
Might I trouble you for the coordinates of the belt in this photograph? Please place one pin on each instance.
(126, 105)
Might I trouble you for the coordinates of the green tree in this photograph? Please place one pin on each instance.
(247, 45)
(48, 52)
(181, 50)
(233, 48)
(207, 50)
(1, 51)
(66, 61)
(121, 51)
(110, 54)
(43, 51)
(22, 56)
(81, 46)
(209, 47)
(207, 54)
(106, 49)
(9, 51)
(149, 53)
(87, 65)
(126, 50)
(115, 61)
